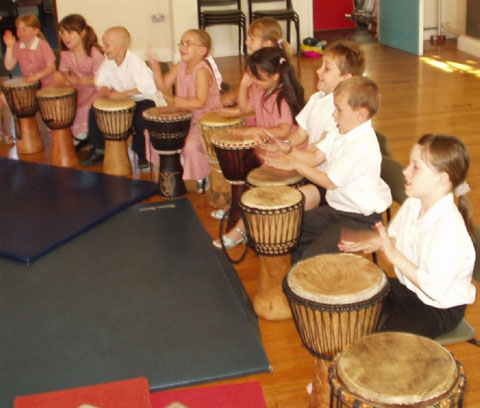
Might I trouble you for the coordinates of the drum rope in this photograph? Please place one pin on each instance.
(229, 211)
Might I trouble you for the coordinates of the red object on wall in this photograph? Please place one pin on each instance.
(330, 14)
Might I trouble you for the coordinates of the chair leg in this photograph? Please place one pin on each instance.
(239, 38)
(475, 342)
(297, 28)
(244, 40)
(288, 31)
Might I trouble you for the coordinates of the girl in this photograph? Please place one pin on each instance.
(429, 242)
(270, 89)
(31, 51)
(79, 61)
(196, 90)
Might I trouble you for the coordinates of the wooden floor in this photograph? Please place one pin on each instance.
(437, 93)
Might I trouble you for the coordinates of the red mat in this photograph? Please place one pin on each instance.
(244, 395)
(118, 394)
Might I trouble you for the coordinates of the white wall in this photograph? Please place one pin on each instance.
(453, 20)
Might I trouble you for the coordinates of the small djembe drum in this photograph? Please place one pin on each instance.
(114, 120)
(212, 124)
(236, 156)
(20, 96)
(168, 127)
(58, 105)
(336, 299)
(273, 221)
(396, 370)
(264, 176)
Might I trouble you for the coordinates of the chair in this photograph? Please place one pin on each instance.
(8, 15)
(227, 16)
(286, 14)
(392, 173)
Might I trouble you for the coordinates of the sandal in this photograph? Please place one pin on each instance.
(8, 139)
(218, 214)
(229, 242)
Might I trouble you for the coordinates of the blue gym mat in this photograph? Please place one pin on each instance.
(43, 206)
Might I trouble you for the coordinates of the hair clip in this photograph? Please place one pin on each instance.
(280, 43)
(282, 60)
(462, 189)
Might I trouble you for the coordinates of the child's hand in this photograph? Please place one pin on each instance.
(386, 243)
(366, 241)
(246, 81)
(9, 39)
(170, 99)
(73, 79)
(283, 162)
(114, 95)
(32, 78)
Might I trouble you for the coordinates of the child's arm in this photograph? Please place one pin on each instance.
(163, 82)
(49, 69)
(9, 61)
(203, 81)
(243, 102)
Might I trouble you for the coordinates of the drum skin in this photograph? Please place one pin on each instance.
(57, 105)
(264, 176)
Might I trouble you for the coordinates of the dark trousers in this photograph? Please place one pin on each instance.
(322, 227)
(407, 313)
(138, 139)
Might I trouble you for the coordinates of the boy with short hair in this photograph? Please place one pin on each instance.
(123, 74)
(356, 195)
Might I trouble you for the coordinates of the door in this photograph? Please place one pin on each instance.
(330, 15)
(401, 25)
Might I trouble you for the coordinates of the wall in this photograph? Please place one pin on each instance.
(453, 17)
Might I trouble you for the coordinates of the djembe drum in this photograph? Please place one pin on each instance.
(114, 120)
(396, 370)
(20, 96)
(335, 299)
(264, 176)
(273, 221)
(212, 124)
(237, 158)
(58, 105)
(168, 127)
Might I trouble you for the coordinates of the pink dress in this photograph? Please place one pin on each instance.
(85, 67)
(34, 59)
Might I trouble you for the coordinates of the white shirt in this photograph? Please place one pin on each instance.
(439, 245)
(353, 163)
(132, 73)
(317, 116)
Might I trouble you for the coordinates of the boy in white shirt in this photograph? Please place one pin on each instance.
(351, 160)
(123, 74)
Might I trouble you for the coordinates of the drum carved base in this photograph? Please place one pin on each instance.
(30, 140)
(219, 195)
(170, 182)
(63, 151)
(320, 387)
(116, 161)
(270, 302)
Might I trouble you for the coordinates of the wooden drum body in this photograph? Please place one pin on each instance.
(168, 127)
(273, 220)
(264, 176)
(336, 299)
(57, 108)
(212, 124)
(237, 158)
(114, 120)
(20, 96)
(396, 370)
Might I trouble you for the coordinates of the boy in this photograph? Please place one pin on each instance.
(356, 195)
(122, 74)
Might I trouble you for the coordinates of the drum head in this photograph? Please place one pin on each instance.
(269, 176)
(105, 104)
(397, 368)
(234, 142)
(271, 198)
(214, 119)
(336, 279)
(55, 91)
(166, 114)
(20, 83)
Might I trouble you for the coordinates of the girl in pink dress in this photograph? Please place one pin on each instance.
(196, 90)
(79, 61)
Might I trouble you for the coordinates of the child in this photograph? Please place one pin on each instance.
(196, 90)
(266, 32)
(356, 195)
(80, 59)
(122, 75)
(271, 90)
(429, 242)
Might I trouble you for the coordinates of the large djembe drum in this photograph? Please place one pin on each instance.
(168, 127)
(58, 105)
(114, 120)
(236, 156)
(20, 96)
(273, 221)
(336, 299)
(396, 370)
(212, 124)
(264, 176)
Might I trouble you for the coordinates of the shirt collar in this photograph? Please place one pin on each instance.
(34, 45)
(359, 130)
(437, 210)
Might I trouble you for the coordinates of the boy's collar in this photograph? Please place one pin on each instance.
(33, 46)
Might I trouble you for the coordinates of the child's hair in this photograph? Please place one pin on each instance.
(76, 22)
(203, 38)
(348, 56)
(30, 20)
(268, 29)
(362, 93)
(272, 61)
(450, 155)
(122, 34)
